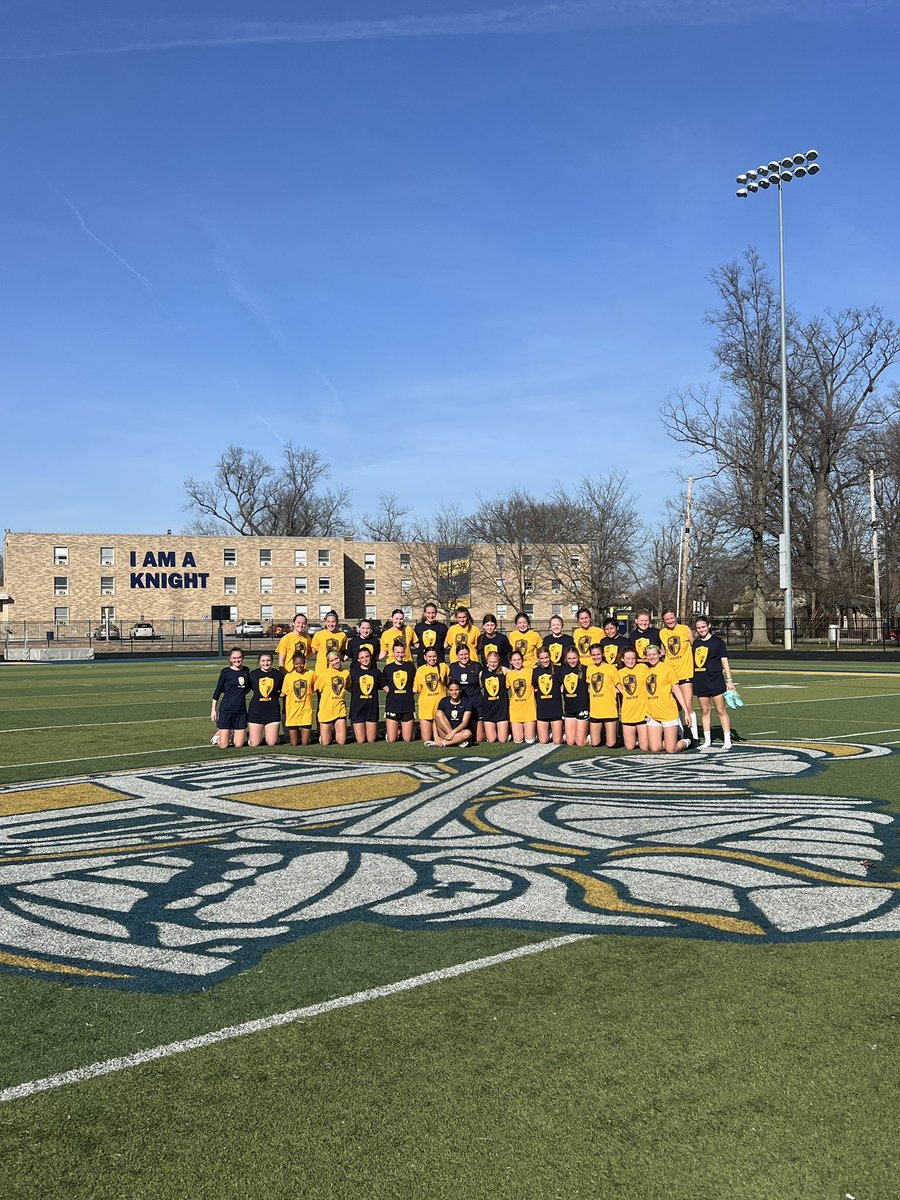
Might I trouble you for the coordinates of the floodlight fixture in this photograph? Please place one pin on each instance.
(799, 172)
(811, 155)
(742, 192)
(774, 167)
(764, 183)
(814, 168)
(786, 176)
(742, 179)
(798, 159)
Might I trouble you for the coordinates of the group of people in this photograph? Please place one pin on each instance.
(464, 683)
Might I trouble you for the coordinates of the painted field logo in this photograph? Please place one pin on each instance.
(173, 879)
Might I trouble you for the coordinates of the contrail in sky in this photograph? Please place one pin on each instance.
(563, 16)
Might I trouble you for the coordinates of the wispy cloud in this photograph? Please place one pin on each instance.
(125, 37)
(123, 262)
(259, 416)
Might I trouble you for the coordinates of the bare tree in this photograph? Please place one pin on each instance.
(518, 532)
(595, 533)
(248, 495)
(437, 556)
(738, 433)
(388, 522)
(838, 363)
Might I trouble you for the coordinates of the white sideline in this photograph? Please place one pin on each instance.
(111, 1065)
(52, 762)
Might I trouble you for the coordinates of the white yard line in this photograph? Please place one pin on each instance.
(835, 699)
(52, 762)
(111, 1065)
(100, 724)
(839, 737)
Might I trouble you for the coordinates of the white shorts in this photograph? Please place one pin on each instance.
(663, 724)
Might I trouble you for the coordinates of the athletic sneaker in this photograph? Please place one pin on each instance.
(727, 746)
(706, 746)
(461, 745)
(429, 743)
(214, 740)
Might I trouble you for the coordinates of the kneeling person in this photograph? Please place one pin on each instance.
(397, 681)
(264, 716)
(297, 690)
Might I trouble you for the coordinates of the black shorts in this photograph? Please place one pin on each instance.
(580, 714)
(364, 711)
(494, 711)
(549, 710)
(264, 714)
(402, 717)
(232, 720)
(709, 687)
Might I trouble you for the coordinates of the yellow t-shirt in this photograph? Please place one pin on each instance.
(604, 699)
(297, 689)
(391, 636)
(324, 643)
(632, 681)
(677, 645)
(289, 645)
(661, 704)
(584, 639)
(332, 688)
(527, 643)
(457, 637)
(522, 704)
(431, 685)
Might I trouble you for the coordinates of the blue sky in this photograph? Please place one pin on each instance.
(455, 248)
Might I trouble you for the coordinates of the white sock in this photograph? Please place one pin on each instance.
(727, 739)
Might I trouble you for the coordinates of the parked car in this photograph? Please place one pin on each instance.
(142, 629)
(108, 633)
(279, 629)
(248, 629)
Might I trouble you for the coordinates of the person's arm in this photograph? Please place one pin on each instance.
(680, 697)
(220, 687)
(726, 667)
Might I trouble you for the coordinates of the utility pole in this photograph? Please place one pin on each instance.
(685, 555)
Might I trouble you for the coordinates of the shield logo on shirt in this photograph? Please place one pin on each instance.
(571, 683)
(330, 644)
(610, 653)
(584, 643)
(338, 684)
(265, 687)
(242, 682)
(431, 681)
(428, 638)
(674, 646)
(651, 685)
(366, 684)
(521, 645)
(400, 680)
(700, 656)
(545, 683)
(492, 686)
(462, 639)
(300, 688)
(597, 683)
(629, 683)
(518, 688)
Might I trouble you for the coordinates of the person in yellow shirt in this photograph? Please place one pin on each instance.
(462, 633)
(585, 633)
(332, 684)
(430, 685)
(664, 694)
(297, 690)
(522, 701)
(631, 685)
(524, 639)
(603, 698)
(329, 640)
(398, 633)
(297, 639)
(677, 643)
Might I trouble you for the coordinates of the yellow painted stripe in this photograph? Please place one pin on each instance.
(835, 749)
(62, 855)
(39, 964)
(600, 894)
(357, 789)
(557, 849)
(826, 674)
(471, 815)
(72, 795)
(759, 860)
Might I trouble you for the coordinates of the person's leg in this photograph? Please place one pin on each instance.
(687, 689)
(556, 732)
(391, 729)
(571, 731)
(240, 737)
(530, 728)
(642, 736)
(518, 731)
(293, 735)
(612, 730)
(359, 731)
(543, 732)
(426, 729)
(340, 731)
(722, 710)
(630, 736)
(705, 720)
(408, 729)
(223, 737)
(502, 728)
(326, 728)
(442, 728)
(490, 731)
(273, 733)
(256, 734)
(371, 731)
(479, 731)
(305, 735)
(673, 743)
(458, 737)
(654, 738)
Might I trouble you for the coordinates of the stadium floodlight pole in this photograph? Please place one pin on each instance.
(876, 566)
(777, 174)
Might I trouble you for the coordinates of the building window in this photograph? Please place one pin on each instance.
(229, 558)
(265, 612)
(405, 560)
(555, 585)
(230, 586)
(265, 558)
(405, 585)
(107, 556)
(60, 615)
(324, 610)
(407, 611)
(500, 585)
(501, 561)
(555, 561)
(324, 558)
(371, 612)
(369, 561)
(324, 584)
(60, 585)
(556, 610)
(529, 585)
(501, 612)
(301, 608)
(574, 612)
(265, 585)
(60, 556)
(575, 561)
(370, 587)
(299, 558)
(300, 585)
(528, 560)
(107, 585)
(232, 610)
(528, 610)
(107, 612)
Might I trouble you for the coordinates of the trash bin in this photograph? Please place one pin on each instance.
(834, 635)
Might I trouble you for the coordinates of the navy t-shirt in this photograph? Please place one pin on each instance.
(455, 712)
(233, 686)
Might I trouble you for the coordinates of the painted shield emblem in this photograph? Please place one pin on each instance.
(300, 688)
(700, 656)
(265, 688)
(431, 681)
(545, 683)
(519, 687)
(492, 686)
(629, 683)
(584, 643)
(651, 685)
(331, 644)
(461, 640)
(400, 681)
(337, 685)
(366, 685)
(674, 645)
(521, 645)
(571, 683)
(555, 653)
(428, 638)
(609, 653)
(597, 683)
